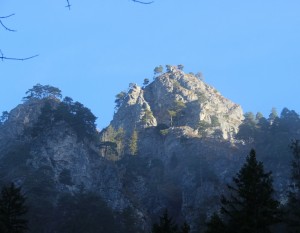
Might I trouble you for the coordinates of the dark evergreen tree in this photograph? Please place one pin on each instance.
(293, 206)
(185, 228)
(119, 99)
(273, 115)
(289, 120)
(215, 225)
(75, 114)
(12, 210)
(168, 68)
(166, 225)
(248, 129)
(146, 82)
(295, 146)
(158, 70)
(180, 67)
(43, 91)
(250, 207)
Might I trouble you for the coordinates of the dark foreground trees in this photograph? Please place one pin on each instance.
(12, 210)
(249, 207)
(167, 225)
(293, 206)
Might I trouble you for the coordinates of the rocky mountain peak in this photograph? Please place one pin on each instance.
(135, 111)
(177, 99)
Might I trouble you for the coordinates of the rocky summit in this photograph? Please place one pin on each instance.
(178, 99)
(173, 143)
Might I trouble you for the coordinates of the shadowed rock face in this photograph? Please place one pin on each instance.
(199, 103)
(55, 163)
(71, 164)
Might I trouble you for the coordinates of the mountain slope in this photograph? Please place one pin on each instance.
(174, 143)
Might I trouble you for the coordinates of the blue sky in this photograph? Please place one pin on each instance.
(248, 50)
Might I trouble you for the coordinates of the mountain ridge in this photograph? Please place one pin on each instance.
(150, 157)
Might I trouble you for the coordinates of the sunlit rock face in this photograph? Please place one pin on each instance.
(134, 112)
(198, 102)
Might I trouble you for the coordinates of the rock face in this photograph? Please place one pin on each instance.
(179, 118)
(178, 99)
(56, 163)
(186, 152)
(135, 112)
(23, 115)
(71, 163)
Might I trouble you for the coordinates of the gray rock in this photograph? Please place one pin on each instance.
(201, 103)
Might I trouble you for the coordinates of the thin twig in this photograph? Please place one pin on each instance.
(68, 5)
(5, 17)
(3, 25)
(2, 57)
(143, 2)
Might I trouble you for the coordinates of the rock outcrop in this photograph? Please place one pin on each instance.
(178, 99)
(56, 162)
(135, 112)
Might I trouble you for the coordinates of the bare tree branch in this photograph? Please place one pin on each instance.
(2, 57)
(3, 25)
(68, 5)
(143, 2)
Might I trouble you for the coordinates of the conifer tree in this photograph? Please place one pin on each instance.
(250, 206)
(293, 206)
(133, 144)
(158, 70)
(12, 210)
(273, 115)
(185, 228)
(180, 67)
(215, 224)
(146, 82)
(166, 225)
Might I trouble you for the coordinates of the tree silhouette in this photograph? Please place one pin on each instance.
(166, 224)
(185, 228)
(215, 224)
(158, 70)
(12, 210)
(293, 206)
(249, 206)
(2, 56)
(39, 91)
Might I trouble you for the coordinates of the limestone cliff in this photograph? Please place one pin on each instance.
(135, 112)
(51, 160)
(178, 99)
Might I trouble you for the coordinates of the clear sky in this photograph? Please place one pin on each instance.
(248, 50)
